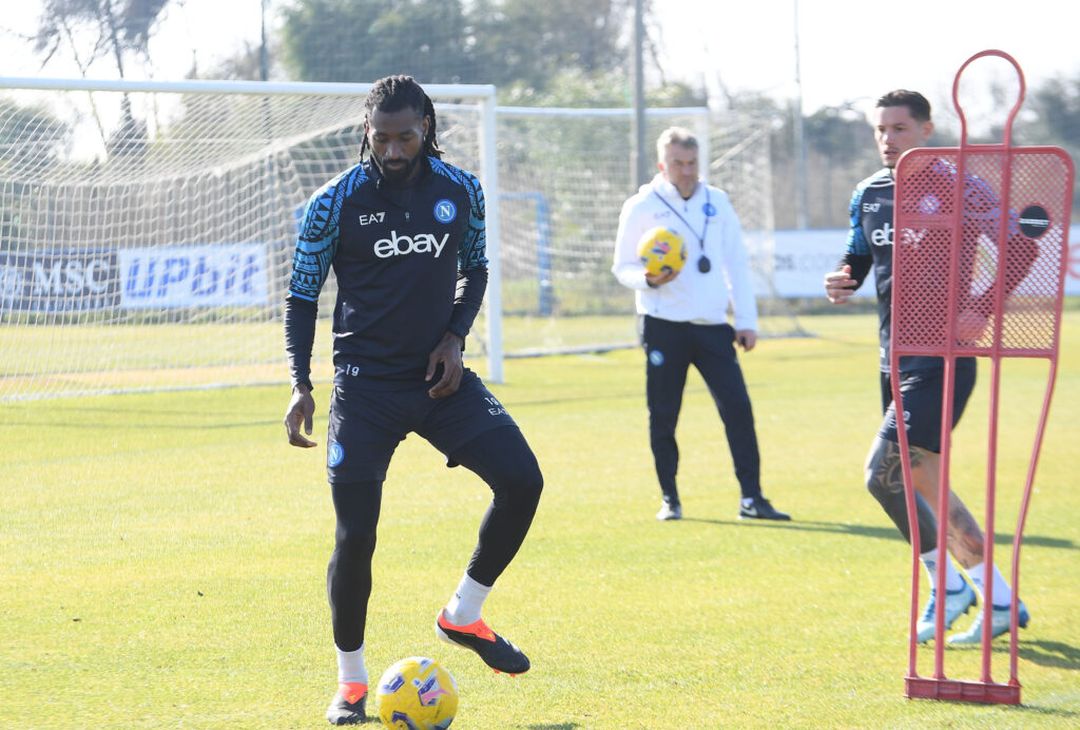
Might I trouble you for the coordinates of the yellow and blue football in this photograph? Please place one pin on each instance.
(416, 693)
(662, 250)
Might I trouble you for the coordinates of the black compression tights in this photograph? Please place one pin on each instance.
(500, 457)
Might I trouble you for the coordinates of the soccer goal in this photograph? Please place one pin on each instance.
(147, 228)
(564, 175)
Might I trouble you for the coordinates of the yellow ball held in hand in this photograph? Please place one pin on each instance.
(661, 250)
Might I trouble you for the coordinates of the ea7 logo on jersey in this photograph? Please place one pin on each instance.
(404, 245)
(367, 219)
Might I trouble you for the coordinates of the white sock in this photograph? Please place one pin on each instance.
(464, 606)
(351, 667)
(953, 581)
(1002, 592)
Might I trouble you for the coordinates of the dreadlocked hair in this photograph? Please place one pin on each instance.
(394, 93)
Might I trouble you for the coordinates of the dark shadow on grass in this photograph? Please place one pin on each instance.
(1041, 710)
(841, 528)
(874, 531)
(560, 726)
(1023, 708)
(1036, 541)
(1050, 654)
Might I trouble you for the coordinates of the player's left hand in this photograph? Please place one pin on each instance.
(746, 339)
(448, 354)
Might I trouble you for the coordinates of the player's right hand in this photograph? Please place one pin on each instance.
(839, 286)
(301, 410)
(655, 280)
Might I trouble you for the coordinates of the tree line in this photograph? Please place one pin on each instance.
(554, 53)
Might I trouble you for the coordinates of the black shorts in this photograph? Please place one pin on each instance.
(367, 425)
(921, 391)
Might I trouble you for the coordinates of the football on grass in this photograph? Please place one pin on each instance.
(416, 693)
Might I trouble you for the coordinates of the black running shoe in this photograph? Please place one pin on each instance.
(497, 652)
(343, 712)
(760, 509)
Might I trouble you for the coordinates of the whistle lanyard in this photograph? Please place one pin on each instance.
(703, 263)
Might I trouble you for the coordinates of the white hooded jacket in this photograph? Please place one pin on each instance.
(692, 296)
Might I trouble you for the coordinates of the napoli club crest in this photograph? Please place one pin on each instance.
(656, 358)
(709, 209)
(335, 454)
(445, 211)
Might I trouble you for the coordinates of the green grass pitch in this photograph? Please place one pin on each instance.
(162, 558)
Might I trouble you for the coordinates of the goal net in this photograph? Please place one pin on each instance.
(564, 175)
(147, 228)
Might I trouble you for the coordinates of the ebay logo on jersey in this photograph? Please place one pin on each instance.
(404, 245)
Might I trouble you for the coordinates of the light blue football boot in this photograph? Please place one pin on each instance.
(999, 624)
(956, 602)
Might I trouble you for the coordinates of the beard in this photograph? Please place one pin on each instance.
(397, 174)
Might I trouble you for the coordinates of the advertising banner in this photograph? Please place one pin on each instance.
(58, 280)
(802, 258)
(193, 276)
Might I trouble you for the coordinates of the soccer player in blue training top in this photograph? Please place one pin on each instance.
(684, 316)
(902, 122)
(404, 232)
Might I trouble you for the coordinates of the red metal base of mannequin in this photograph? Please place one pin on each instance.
(962, 691)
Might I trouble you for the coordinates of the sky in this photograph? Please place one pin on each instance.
(850, 52)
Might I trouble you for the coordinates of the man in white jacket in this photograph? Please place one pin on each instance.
(685, 315)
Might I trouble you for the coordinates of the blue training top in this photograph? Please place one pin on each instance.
(410, 264)
(870, 241)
